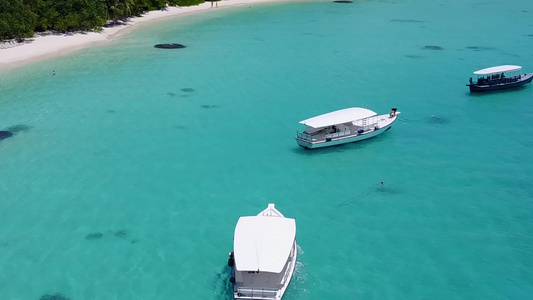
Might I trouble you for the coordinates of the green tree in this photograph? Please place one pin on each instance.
(69, 15)
(20, 18)
(187, 2)
(16, 19)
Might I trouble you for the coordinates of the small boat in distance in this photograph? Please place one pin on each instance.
(264, 255)
(344, 126)
(498, 78)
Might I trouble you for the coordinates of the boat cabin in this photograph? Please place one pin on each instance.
(340, 123)
(264, 256)
(497, 75)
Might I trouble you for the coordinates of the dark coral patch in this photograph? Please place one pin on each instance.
(18, 128)
(94, 236)
(5, 134)
(187, 90)
(121, 233)
(413, 56)
(479, 48)
(57, 296)
(171, 94)
(169, 46)
(433, 48)
(438, 120)
(343, 1)
(406, 21)
(209, 106)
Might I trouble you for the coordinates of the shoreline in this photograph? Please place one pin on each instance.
(44, 47)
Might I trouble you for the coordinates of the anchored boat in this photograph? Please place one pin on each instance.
(498, 78)
(344, 126)
(264, 255)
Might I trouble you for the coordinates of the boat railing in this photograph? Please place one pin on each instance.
(501, 80)
(338, 134)
(304, 136)
(291, 262)
(253, 293)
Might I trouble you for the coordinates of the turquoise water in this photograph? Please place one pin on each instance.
(129, 169)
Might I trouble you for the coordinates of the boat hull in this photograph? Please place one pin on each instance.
(309, 142)
(344, 140)
(525, 79)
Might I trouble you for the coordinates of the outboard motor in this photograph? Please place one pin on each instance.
(231, 260)
(393, 112)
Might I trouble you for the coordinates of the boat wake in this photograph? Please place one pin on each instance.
(299, 272)
(300, 251)
(433, 119)
(298, 282)
(222, 288)
(365, 193)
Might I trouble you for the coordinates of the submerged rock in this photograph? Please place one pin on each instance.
(94, 236)
(406, 21)
(57, 296)
(121, 233)
(433, 48)
(5, 134)
(413, 56)
(209, 106)
(169, 46)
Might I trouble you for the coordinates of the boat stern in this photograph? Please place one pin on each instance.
(304, 140)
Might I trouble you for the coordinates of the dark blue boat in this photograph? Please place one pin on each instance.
(498, 78)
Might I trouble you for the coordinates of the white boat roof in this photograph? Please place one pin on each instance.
(498, 69)
(263, 243)
(338, 117)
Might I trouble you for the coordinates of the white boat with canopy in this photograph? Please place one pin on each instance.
(499, 77)
(344, 126)
(498, 70)
(264, 255)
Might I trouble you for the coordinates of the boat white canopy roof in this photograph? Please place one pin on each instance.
(263, 243)
(338, 117)
(498, 69)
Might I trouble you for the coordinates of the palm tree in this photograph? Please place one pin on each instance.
(125, 6)
(118, 8)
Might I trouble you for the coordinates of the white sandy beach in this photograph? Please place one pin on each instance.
(50, 46)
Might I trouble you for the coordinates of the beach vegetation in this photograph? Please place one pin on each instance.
(22, 18)
(16, 19)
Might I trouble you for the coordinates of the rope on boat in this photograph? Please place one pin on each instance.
(360, 196)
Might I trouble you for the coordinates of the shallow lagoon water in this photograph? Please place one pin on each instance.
(127, 171)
